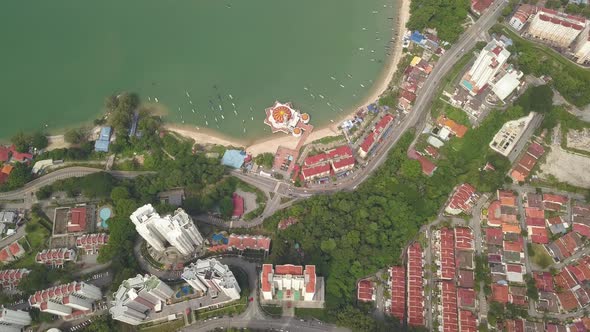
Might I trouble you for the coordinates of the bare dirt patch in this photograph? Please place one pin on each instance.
(579, 139)
(566, 167)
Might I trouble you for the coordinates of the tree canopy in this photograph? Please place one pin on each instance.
(447, 17)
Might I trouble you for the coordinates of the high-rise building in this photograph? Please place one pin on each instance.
(178, 230)
(489, 61)
(582, 47)
(13, 320)
(555, 28)
(137, 297)
(288, 282)
(211, 277)
(73, 299)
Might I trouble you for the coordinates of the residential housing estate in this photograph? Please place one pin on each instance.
(68, 300)
(13, 320)
(290, 283)
(178, 230)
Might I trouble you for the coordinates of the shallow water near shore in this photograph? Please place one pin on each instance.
(213, 64)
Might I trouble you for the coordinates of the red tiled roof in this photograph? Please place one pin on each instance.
(368, 142)
(365, 290)
(515, 246)
(432, 151)
(7, 169)
(312, 160)
(339, 152)
(534, 212)
(415, 284)
(4, 154)
(343, 163)
(544, 281)
(463, 238)
(310, 274)
(494, 236)
(398, 292)
(289, 269)
(407, 95)
(500, 293)
(564, 280)
(77, 221)
(539, 235)
(466, 297)
(462, 198)
(568, 300)
(450, 317)
(559, 199)
(309, 172)
(480, 5)
(447, 253)
(536, 150)
(15, 249)
(265, 282)
(467, 321)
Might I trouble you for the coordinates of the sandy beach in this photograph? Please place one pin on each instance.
(271, 144)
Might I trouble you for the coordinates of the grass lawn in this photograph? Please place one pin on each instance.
(308, 313)
(273, 310)
(453, 113)
(171, 326)
(37, 236)
(540, 256)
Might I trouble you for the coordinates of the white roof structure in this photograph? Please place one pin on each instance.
(486, 66)
(506, 138)
(210, 276)
(504, 87)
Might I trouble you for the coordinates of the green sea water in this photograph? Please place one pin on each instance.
(61, 58)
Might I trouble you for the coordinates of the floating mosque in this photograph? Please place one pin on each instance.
(284, 118)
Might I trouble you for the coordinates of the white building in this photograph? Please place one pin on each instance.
(582, 47)
(74, 299)
(521, 16)
(288, 282)
(178, 230)
(508, 136)
(211, 277)
(137, 297)
(555, 28)
(489, 61)
(13, 320)
(507, 84)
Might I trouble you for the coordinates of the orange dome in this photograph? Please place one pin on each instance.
(297, 130)
(281, 114)
(304, 116)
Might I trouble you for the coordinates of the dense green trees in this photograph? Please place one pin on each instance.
(76, 135)
(122, 107)
(537, 99)
(23, 142)
(447, 17)
(21, 174)
(41, 277)
(265, 159)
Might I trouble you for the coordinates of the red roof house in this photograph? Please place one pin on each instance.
(77, 222)
(238, 202)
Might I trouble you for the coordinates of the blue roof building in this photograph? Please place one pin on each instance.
(233, 158)
(417, 37)
(103, 141)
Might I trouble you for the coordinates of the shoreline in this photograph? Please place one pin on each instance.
(272, 143)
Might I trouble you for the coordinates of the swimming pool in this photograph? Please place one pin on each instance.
(104, 214)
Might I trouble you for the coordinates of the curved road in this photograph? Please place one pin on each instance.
(62, 174)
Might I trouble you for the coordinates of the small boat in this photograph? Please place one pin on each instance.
(354, 94)
(372, 51)
(193, 110)
(312, 96)
(372, 60)
(341, 85)
(234, 105)
(216, 119)
(252, 118)
(364, 29)
(235, 112)
(221, 109)
(244, 129)
(362, 86)
(377, 38)
(182, 121)
(231, 97)
(251, 110)
(149, 99)
(333, 78)
(190, 101)
(222, 117)
(321, 96)
(228, 6)
(375, 12)
(156, 99)
(350, 76)
(206, 123)
(331, 120)
(328, 104)
(361, 49)
(305, 88)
